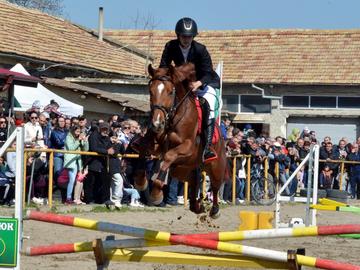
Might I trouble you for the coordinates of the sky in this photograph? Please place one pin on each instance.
(216, 15)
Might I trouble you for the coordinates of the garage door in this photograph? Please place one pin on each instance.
(336, 128)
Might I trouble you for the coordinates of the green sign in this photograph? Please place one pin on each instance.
(8, 241)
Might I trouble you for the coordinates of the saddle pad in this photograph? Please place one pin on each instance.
(216, 135)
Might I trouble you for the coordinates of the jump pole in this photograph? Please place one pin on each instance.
(192, 259)
(114, 253)
(350, 209)
(217, 236)
(87, 246)
(253, 252)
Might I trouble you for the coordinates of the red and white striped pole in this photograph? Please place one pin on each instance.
(254, 252)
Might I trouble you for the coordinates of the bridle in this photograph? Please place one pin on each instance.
(168, 112)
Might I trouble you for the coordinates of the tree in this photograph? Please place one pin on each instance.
(54, 7)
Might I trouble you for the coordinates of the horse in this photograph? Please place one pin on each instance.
(174, 129)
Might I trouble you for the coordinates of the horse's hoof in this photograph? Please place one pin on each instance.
(214, 212)
(141, 187)
(156, 199)
(202, 208)
(197, 208)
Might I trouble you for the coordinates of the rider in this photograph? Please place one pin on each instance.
(186, 49)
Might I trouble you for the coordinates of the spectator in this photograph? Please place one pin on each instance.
(46, 127)
(300, 148)
(341, 148)
(229, 132)
(326, 140)
(97, 184)
(57, 141)
(114, 119)
(67, 123)
(305, 133)
(224, 125)
(330, 168)
(53, 119)
(115, 129)
(75, 141)
(74, 121)
(33, 132)
(3, 130)
(117, 180)
(312, 135)
(134, 128)
(355, 172)
(283, 161)
(124, 133)
(82, 124)
(295, 135)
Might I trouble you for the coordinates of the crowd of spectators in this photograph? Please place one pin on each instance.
(107, 179)
(289, 152)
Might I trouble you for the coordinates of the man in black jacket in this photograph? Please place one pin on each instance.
(185, 49)
(97, 184)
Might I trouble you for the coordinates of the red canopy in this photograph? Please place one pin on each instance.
(10, 77)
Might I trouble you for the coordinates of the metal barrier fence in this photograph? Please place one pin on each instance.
(233, 174)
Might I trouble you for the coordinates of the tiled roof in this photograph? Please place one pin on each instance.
(124, 101)
(31, 33)
(271, 56)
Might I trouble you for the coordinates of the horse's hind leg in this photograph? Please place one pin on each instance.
(196, 205)
(214, 212)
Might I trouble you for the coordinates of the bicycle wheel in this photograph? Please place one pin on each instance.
(264, 191)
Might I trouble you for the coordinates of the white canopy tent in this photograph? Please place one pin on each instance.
(27, 95)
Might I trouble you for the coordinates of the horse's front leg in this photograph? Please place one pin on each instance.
(181, 151)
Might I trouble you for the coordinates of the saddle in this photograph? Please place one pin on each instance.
(202, 122)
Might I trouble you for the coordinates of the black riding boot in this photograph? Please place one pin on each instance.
(209, 154)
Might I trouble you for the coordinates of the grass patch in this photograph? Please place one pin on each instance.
(103, 209)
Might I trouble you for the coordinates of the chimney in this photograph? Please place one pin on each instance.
(101, 23)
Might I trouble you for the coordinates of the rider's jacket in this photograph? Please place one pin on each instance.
(198, 55)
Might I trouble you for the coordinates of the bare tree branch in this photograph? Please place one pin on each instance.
(54, 7)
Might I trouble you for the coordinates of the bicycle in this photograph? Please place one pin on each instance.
(263, 189)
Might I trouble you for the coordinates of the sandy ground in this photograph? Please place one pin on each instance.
(179, 220)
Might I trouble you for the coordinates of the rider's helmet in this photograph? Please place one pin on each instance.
(186, 27)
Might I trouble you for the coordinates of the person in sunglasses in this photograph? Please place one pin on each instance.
(3, 130)
(33, 132)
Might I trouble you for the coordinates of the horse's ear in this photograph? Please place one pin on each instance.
(151, 70)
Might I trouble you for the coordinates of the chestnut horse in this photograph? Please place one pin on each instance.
(174, 124)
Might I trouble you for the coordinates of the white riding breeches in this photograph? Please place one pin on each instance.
(209, 94)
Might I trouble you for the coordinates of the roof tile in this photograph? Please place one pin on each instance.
(31, 33)
(270, 56)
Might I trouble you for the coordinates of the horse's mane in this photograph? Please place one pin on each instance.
(183, 72)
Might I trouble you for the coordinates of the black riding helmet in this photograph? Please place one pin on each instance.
(186, 27)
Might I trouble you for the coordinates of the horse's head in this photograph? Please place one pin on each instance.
(164, 85)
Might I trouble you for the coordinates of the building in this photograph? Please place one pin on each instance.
(280, 79)
(53, 48)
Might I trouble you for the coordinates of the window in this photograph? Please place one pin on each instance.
(296, 101)
(230, 103)
(349, 102)
(323, 102)
(255, 104)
